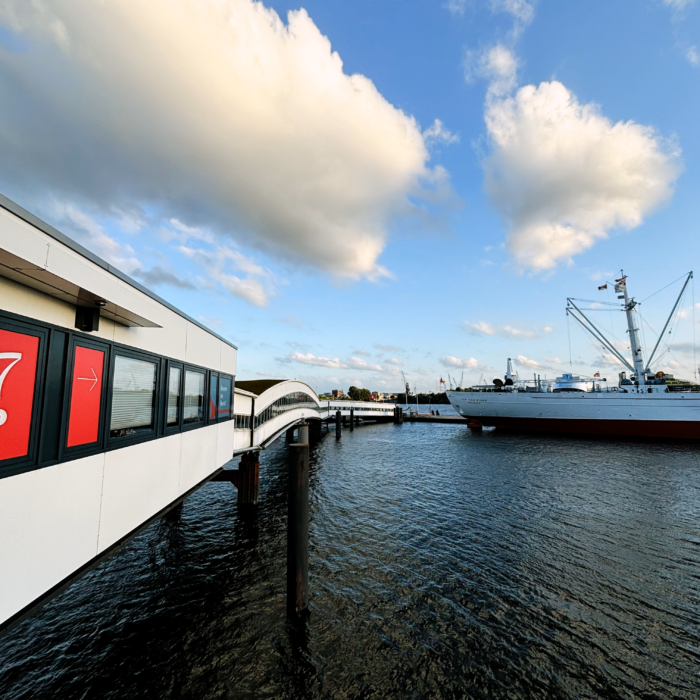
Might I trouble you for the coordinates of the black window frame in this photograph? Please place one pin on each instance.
(211, 375)
(219, 417)
(177, 428)
(199, 423)
(16, 465)
(78, 451)
(51, 402)
(146, 435)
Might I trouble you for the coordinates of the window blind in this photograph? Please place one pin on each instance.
(133, 396)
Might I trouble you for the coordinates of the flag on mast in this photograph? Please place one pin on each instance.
(605, 286)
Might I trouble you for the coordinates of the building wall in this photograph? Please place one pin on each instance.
(55, 519)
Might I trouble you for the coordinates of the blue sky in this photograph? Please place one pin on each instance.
(328, 224)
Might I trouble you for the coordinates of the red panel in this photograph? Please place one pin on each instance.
(18, 358)
(86, 395)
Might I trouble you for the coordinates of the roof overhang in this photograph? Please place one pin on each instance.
(30, 275)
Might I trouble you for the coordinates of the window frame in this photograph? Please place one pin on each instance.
(125, 440)
(176, 428)
(17, 465)
(219, 418)
(203, 422)
(78, 451)
(211, 376)
(51, 400)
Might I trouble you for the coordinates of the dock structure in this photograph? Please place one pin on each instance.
(114, 407)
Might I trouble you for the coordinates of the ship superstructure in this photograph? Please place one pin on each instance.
(644, 404)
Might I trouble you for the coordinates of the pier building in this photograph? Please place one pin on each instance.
(114, 406)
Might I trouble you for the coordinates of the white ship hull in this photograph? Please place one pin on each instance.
(673, 415)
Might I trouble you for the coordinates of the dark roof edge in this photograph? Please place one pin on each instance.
(49, 230)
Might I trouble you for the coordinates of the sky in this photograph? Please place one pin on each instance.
(348, 191)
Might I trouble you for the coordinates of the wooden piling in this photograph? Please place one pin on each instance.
(352, 419)
(337, 425)
(248, 479)
(298, 532)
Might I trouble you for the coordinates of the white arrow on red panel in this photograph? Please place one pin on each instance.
(92, 379)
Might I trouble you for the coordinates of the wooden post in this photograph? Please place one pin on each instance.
(400, 415)
(337, 425)
(303, 434)
(248, 479)
(298, 532)
(352, 418)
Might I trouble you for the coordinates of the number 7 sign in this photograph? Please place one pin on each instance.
(18, 360)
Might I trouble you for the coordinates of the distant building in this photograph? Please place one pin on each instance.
(338, 394)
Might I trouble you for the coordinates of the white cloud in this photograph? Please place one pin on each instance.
(88, 231)
(470, 363)
(497, 64)
(216, 113)
(480, 328)
(693, 56)
(521, 10)
(528, 362)
(678, 4)
(354, 363)
(483, 328)
(456, 7)
(256, 287)
(388, 348)
(437, 133)
(394, 361)
(562, 175)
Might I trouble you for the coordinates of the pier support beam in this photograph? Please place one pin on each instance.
(303, 434)
(352, 419)
(337, 425)
(315, 430)
(289, 435)
(298, 532)
(246, 478)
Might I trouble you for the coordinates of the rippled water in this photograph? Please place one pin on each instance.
(443, 565)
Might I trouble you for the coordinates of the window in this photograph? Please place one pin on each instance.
(224, 397)
(18, 365)
(133, 396)
(174, 378)
(194, 397)
(213, 396)
(86, 396)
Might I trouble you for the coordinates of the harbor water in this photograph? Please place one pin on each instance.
(444, 564)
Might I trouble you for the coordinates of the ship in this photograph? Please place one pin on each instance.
(644, 404)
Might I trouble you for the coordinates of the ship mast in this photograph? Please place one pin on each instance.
(630, 303)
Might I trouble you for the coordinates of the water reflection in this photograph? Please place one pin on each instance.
(443, 565)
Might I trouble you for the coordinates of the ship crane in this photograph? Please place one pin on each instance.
(637, 366)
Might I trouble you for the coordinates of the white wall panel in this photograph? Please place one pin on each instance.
(139, 481)
(229, 359)
(22, 239)
(24, 301)
(224, 445)
(198, 456)
(170, 340)
(202, 348)
(48, 528)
